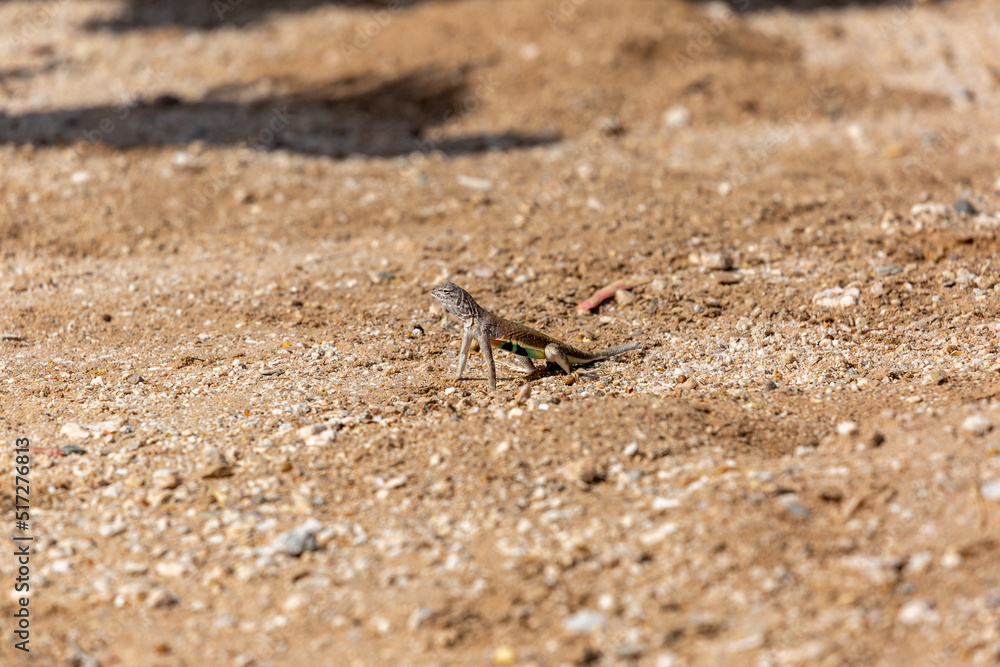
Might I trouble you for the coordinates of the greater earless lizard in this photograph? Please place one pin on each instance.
(491, 331)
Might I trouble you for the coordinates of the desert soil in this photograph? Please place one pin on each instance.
(247, 443)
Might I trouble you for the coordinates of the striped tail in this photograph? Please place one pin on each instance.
(618, 349)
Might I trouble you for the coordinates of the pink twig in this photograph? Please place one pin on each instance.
(605, 293)
(46, 451)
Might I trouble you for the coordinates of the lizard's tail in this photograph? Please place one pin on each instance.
(618, 349)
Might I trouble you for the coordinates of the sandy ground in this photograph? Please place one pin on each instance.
(218, 238)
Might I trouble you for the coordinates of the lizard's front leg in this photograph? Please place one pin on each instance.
(463, 355)
(555, 353)
(487, 351)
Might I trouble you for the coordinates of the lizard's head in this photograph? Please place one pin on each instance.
(457, 301)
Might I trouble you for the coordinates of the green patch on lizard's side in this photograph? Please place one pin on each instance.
(520, 350)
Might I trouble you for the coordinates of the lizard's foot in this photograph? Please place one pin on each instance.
(555, 353)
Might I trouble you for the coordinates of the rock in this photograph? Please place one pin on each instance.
(888, 270)
(964, 206)
(418, 617)
(879, 571)
(837, 297)
(991, 490)
(916, 612)
(610, 126)
(668, 659)
(321, 439)
(658, 285)
(297, 541)
(847, 428)
(934, 378)
(582, 472)
(918, 563)
(473, 183)
(160, 598)
(676, 116)
(977, 425)
(585, 622)
(523, 394)
(74, 431)
(929, 210)
(624, 297)
(713, 261)
(166, 479)
(661, 504)
(504, 655)
(794, 506)
(630, 651)
(658, 534)
(116, 527)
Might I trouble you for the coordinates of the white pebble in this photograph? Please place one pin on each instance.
(677, 116)
(473, 183)
(586, 621)
(918, 611)
(991, 490)
(837, 297)
(977, 424)
(847, 428)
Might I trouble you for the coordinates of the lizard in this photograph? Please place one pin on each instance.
(491, 331)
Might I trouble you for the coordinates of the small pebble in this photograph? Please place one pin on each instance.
(582, 471)
(977, 425)
(888, 270)
(504, 655)
(837, 297)
(847, 428)
(624, 297)
(586, 621)
(677, 116)
(934, 378)
(794, 507)
(166, 479)
(916, 612)
(473, 183)
(713, 261)
(991, 490)
(74, 431)
(610, 126)
(667, 659)
(297, 541)
(964, 206)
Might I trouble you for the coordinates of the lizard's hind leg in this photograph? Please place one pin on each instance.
(554, 353)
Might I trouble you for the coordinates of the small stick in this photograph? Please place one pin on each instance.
(605, 293)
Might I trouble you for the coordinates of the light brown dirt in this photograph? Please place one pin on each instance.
(228, 330)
